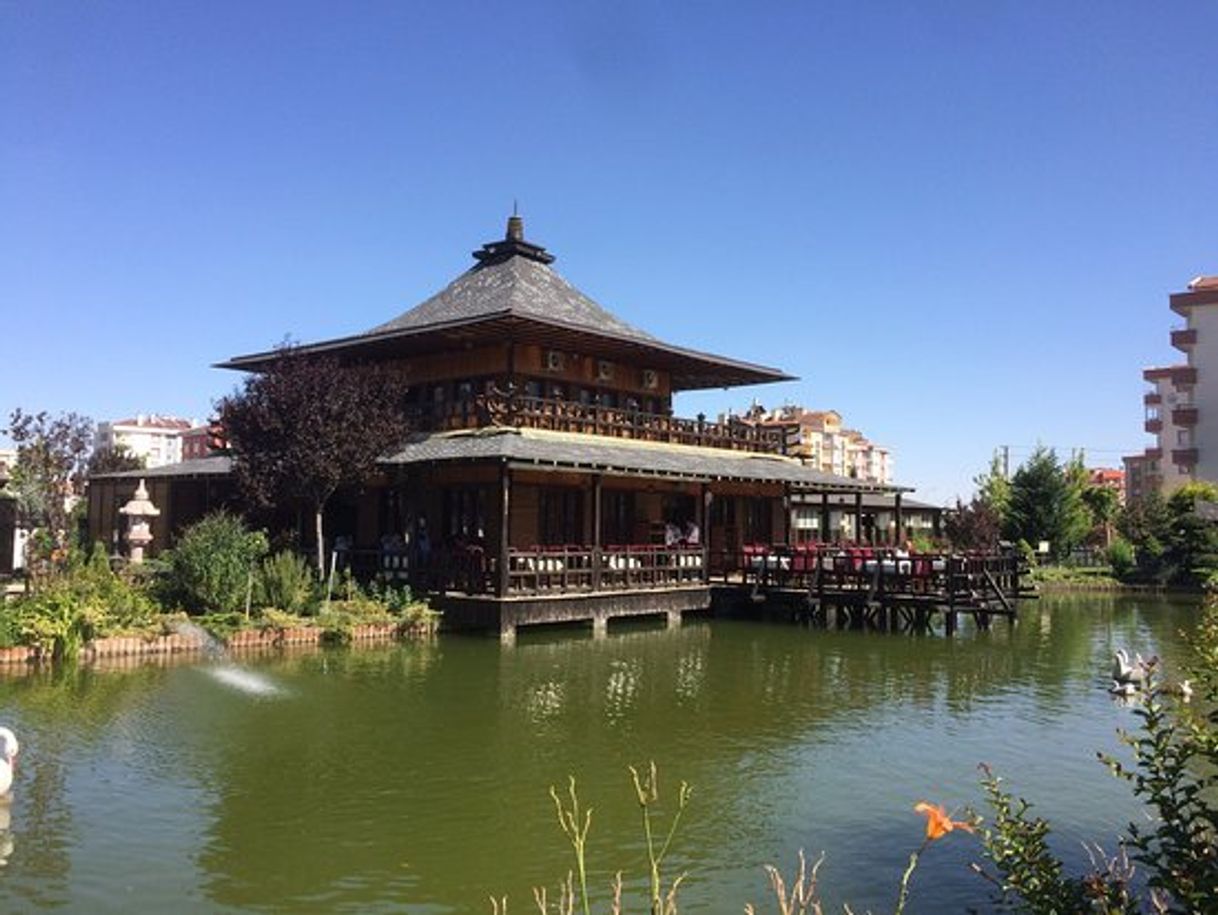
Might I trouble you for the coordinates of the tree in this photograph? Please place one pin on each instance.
(1103, 503)
(976, 526)
(307, 426)
(1046, 503)
(1146, 524)
(1192, 541)
(52, 455)
(994, 489)
(113, 460)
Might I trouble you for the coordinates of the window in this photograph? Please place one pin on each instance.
(465, 514)
(757, 520)
(617, 517)
(562, 517)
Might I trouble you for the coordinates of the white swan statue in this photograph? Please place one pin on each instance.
(1125, 672)
(8, 759)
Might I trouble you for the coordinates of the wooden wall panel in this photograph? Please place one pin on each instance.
(525, 508)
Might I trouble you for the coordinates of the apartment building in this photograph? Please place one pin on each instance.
(1109, 478)
(1182, 404)
(821, 439)
(157, 439)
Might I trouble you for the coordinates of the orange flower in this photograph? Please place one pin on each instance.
(938, 822)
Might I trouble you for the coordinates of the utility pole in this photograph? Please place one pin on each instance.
(1006, 462)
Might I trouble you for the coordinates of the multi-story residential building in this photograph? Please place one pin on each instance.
(157, 439)
(1138, 478)
(202, 441)
(819, 437)
(1109, 478)
(1182, 407)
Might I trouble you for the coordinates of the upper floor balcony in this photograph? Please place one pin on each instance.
(1154, 425)
(518, 411)
(1184, 415)
(1177, 375)
(1184, 457)
(1184, 338)
(1152, 397)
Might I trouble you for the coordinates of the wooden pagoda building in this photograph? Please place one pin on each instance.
(549, 478)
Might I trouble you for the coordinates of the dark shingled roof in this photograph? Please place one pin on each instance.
(197, 467)
(536, 447)
(514, 293)
(590, 452)
(520, 287)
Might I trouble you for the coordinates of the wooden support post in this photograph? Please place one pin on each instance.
(786, 513)
(898, 534)
(824, 517)
(505, 517)
(596, 532)
(704, 529)
(858, 517)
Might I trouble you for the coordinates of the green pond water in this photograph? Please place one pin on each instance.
(414, 778)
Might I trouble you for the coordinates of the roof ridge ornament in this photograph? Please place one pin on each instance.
(513, 245)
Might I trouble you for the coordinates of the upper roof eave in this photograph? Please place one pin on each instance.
(582, 452)
(760, 374)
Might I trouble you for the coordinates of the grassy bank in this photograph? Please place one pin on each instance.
(1064, 579)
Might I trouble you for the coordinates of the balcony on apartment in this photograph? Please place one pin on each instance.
(1151, 398)
(1184, 415)
(1184, 338)
(1176, 374)
(1184, 457)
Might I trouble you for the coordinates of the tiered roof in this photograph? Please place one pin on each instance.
(512, 293)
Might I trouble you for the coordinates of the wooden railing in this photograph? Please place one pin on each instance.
(594, 419)
(535, 570)
(571, 569)
(963, 578)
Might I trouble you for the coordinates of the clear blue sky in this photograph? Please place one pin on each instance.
(958, 223)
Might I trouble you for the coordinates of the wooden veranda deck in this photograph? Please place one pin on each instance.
(826, 584)
(886, 589)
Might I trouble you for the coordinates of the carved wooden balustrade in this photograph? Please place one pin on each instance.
(513, 410)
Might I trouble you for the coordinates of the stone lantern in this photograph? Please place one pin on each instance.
(139, 512)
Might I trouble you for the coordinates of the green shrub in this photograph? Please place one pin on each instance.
(211, 568)
(1121, 557)
(83, 602)
(286, 582)
(1026, 551)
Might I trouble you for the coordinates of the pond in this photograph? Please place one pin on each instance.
(415, 778)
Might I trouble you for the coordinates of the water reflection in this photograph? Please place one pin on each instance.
(417, 775)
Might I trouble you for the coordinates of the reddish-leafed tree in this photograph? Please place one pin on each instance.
(307, 426)
(975, 526)
(52, 455)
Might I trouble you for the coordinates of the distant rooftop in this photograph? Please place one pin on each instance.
(152, 421)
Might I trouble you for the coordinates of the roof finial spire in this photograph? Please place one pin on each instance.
(515, 226)
(512, 245)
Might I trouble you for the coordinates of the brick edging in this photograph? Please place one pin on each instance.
(179, 643)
